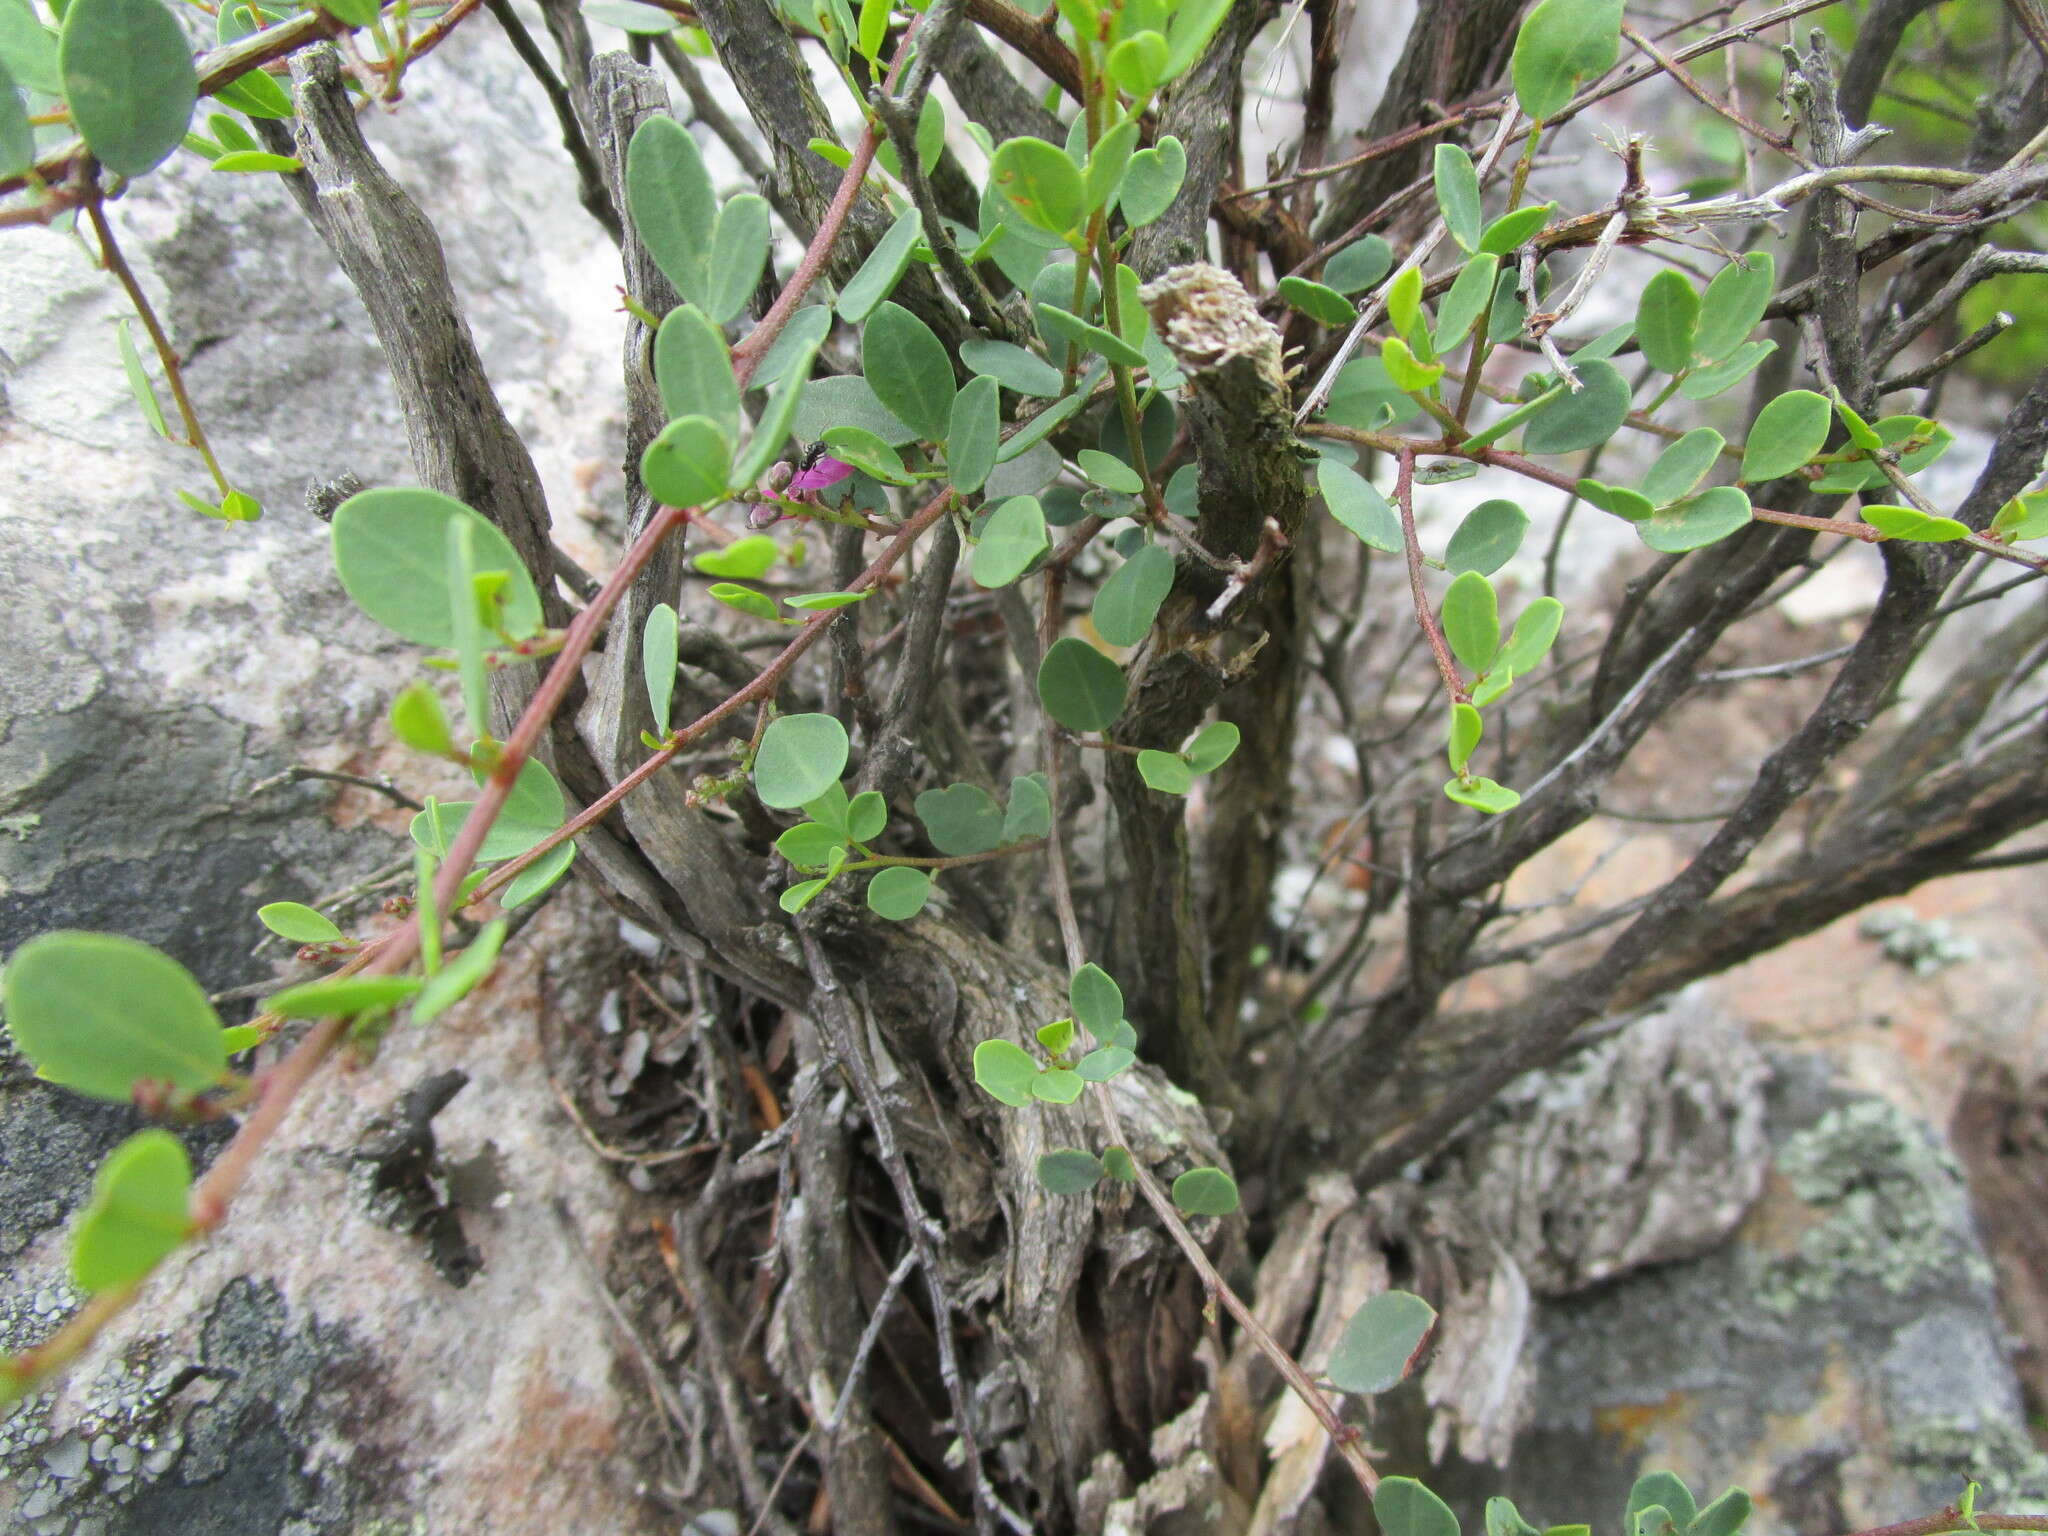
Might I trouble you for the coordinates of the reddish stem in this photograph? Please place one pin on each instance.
(1404, 501)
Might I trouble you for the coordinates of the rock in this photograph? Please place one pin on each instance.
(306, 1370)
(1842, 1358)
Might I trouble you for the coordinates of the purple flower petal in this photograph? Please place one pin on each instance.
(827, 471)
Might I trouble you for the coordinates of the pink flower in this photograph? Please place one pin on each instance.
(818, 473)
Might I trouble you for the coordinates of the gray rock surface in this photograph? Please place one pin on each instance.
(308, 1370)
(1842, 1358)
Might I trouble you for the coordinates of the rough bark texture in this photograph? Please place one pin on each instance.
(728, 1209)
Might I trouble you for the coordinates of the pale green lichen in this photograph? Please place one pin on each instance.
(1895, 1210)
(1923, 946)
(2001, 1457)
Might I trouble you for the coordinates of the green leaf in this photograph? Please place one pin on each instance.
(1167, 772)
(745, 559)
(99, 1013)
(1911, 523)
(1029, 813)
(1057, 1038)
(1535, 631)
(1012, 367)
(538, 876)
(1109, 471)
(1011, 541)
(973, 433)
(1403, 1506)
(17, 137)
(1503, 1519)
(868, 453)
(694, 370)
(1860, 433)
(1933, 441)
(1041, 183)
(810, 844)
(297, 922)
(1786, 434)
(1487, 539)
(799, 341)
(1080, 687)
(391, 552)
(1696, 521)
(960, 819)
(1127, 603)
(801, 895)
(341, 995)
(931, 132)
(1682, 466)
(1403, 368)
(536, 797)
(831, 808)
(1457, 195)
(688, 464)
(1404, 300)
(248, 161)
(2024, 517)
(1482, 794)
(1071, 327)
(467, 587)
(801, 757)
(139, 384)
(884, 268)
(1104, 1063)
(139, 1213)
(658, 650)
(1665, 1490)
(1471, 620)
(1058, 1085)
(1097, 1001)
(1667, 319)
(1380, 1344)
(772, 429)
(1359, 265)
(1466, 728)
(874, 28)
(899, 893)
(1325, 306)
(672, 204)
(1470, 295)
(461, 974)
(846, 400)
(824, 602)
(1212, 747)
(1724, 1517)
(417, 720)
(1138, 63)
(1107, 162)
(1041, 426)
(1734, 303)
(257, 94)
(128, 80)
(1116, 1162)
(908, 369)
(1069, 1171)
(1511, 231)
(1205, 1192)
(1152, 181)
(1561, 43)
(1187, 35)
(1583, 420)
(27, 50)
(1705, 383)
(1354, 502)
